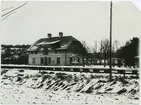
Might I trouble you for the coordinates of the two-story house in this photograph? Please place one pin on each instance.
(61, 50)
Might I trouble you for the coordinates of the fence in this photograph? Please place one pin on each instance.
(124, 71)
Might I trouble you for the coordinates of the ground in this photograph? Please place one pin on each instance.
(29, 86)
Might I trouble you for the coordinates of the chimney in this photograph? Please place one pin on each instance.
(60, 34)
(49, 35)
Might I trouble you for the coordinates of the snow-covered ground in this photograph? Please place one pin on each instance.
(30, 86)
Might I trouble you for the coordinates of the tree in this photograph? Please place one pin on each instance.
(94, 48)
(115, 46)
(85, 46)
(85, 50)
(105, 49)
(129, 51)
(10, 51)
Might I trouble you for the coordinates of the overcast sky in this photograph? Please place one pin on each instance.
(88, 21)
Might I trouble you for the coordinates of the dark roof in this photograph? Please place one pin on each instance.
(64, 41)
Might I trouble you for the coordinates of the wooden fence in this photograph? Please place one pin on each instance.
(124, 71)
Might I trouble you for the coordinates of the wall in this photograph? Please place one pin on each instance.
(37, 58)
(53, 57)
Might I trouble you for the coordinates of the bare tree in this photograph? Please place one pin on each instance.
(115, 46)
(105, 49)
(85, 46)
(94, 48)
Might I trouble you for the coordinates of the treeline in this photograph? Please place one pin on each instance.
(14, 54)
(128, 53)
(15, 46)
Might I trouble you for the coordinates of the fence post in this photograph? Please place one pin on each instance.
(124, 73)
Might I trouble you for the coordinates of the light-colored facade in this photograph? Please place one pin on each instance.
(54, 59)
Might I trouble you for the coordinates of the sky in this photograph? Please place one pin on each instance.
(85, 20)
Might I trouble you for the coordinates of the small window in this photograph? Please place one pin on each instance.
(41, 60)
(33, 60)
(58, 60)
(78, 60)
(49, 60)
(45, 60)
(70, 60)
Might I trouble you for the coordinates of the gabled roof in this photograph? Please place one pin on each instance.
(64, 41)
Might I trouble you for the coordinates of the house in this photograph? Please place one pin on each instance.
(61, 50)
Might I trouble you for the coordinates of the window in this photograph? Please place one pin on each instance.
(45, 50)
(78, 60)
(58, 60)
(33, 61)
(70, 60)
(45, 60)
(49, 60)
(41, 60)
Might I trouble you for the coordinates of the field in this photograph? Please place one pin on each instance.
(30, 86)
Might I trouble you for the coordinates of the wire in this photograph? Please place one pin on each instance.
(8, 16)
(6, 8)
(14, 9)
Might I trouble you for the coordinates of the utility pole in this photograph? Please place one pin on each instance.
(110, 40)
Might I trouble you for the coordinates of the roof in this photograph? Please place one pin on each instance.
(64, 41)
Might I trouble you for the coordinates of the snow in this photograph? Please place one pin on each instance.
(32, 87)
(48, 43)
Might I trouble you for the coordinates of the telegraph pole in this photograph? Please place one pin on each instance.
(110, 40)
